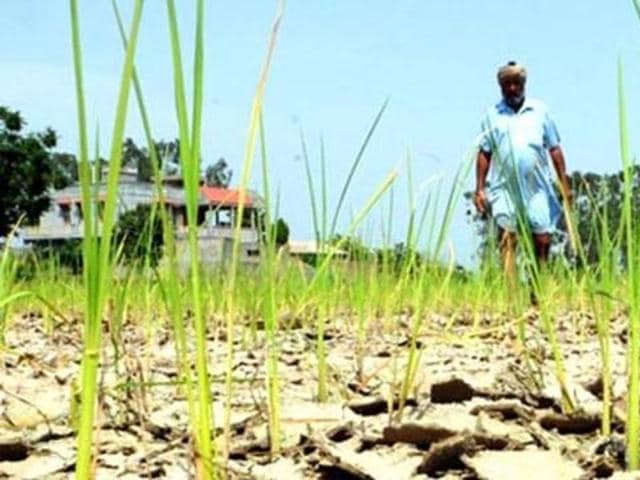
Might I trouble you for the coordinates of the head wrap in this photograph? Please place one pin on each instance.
(511, 69)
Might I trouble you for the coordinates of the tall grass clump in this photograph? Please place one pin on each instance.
(254, 131)
(631, 237)
(633, 282)
(319, 286)
(190, 144)
(97, 251)
(269, 309)
(412, 277)
(168, 277)
(8, 267)
(598, 282)
(316, 295)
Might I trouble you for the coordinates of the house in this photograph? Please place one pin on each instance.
(217, 213)
(311, 249)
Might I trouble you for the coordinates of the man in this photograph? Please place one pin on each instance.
(516, 135)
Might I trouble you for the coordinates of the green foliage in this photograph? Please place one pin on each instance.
(26, 169)
(139, 158)
(65, 170)
(280, 232)
(219, 174)
(353, 247)
(58, 255)
(279, 229)
(138, 236)
(66, 254)
(399, 256)
(598, 196)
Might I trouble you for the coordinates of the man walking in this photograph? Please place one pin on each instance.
(518, 137)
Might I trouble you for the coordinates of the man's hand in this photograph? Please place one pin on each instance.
(480, 202)
(482, 168)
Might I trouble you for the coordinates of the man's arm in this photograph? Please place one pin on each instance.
(559, 164)
(482, 168)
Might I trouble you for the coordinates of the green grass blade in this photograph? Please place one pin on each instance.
(636, 4)
(97, 256)
(170, 285)
(354, 166)
(198, 81)
(247, 166)
(324, 192)
(633, 400)
(190, 163)
(311, 188)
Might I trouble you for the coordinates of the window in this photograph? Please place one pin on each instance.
(65, 213)
(224, 218)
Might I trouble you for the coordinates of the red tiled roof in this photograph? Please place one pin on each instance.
(224, 196)
(68, 199)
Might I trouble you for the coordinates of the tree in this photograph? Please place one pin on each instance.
(138, 158)
(354, 247)
(138, 236)
(219, 174)
(169, 156)
(280, 232)
(168, 153)
(279, 229)
(26, 170)
(65, 170)
(598, 202)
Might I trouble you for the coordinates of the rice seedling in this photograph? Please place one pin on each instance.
(247, 166)
(97, 248)
(269, 307)
(190, 140)
(319, 284)
(168, 278)
(352, 287)
(8, 266)
(407, 276)
(603, 310)
(354, 166)
(633, 282)
(597, 282)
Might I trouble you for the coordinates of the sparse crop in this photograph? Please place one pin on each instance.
(362, 285)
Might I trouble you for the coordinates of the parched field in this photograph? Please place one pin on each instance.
(481, 406)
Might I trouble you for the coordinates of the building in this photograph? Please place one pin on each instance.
(217, 213)
(311, 249)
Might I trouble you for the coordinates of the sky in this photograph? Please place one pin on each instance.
(335, 64)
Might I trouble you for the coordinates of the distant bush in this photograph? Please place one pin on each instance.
(280, 232)
(138, 240)
(62, 254)
(279, 229)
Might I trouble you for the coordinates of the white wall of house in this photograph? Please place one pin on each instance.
(64, 220)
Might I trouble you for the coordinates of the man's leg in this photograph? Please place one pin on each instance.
(508, 241)
(542, 246)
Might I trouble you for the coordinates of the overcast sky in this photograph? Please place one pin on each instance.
(335, 63)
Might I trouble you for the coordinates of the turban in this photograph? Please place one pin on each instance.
(511, 69)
